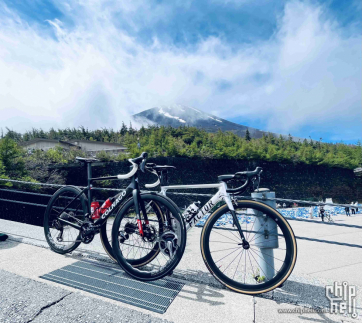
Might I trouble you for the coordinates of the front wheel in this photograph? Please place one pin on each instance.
(155, 217)
(157, 252)
(261, 264)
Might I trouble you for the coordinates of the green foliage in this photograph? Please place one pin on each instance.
(121, 157)
(103, 156)
(3, 176)
(192, 142)
(56, 155)
(27, 186)
(11, 157)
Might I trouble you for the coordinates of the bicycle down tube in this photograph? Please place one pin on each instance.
(221, 194)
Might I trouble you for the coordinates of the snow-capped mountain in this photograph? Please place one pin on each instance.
(178, 115)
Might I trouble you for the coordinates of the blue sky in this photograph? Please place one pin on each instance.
(283, 66)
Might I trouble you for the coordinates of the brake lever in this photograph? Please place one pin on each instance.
(142, 166)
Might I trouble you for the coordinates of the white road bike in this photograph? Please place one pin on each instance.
(247, 245)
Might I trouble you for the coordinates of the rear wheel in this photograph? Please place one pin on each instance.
(63, 238)
(156, 253)
(261, 264)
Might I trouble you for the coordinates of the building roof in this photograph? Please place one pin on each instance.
(35, 140)
(97, 142)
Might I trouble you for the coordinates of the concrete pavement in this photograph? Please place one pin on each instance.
(326, 253)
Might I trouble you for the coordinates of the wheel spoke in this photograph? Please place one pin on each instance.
(245, 270)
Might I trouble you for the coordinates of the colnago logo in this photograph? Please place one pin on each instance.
(204, 210)
(110, 209)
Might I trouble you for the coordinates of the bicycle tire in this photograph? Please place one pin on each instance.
(255, 282)
(106, 238)
(146, 272)
(59, 200)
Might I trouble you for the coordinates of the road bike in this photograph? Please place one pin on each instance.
(246, 244)
(68, 222)
(328, 217)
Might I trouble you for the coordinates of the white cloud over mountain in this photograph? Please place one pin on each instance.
(93, 73)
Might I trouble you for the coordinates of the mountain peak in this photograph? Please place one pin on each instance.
(180, 115)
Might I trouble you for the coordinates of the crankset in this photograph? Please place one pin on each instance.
(168, 243)
(87, 232)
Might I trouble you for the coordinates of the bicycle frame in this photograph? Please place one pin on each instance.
(220, 195)
(131, 190)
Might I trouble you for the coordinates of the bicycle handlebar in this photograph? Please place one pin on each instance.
(135, 163)
(135, 166)
(160, 171)
(248, 175)
(131, 173)
(139, 159)
(155, 183)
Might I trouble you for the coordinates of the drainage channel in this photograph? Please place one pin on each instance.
(112, 283)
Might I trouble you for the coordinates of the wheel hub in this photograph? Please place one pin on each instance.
(245, 245)
(149, 233)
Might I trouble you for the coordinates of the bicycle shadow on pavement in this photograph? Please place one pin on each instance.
(201, 293)
(9, 243)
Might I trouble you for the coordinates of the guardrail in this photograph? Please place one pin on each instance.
(174, 193)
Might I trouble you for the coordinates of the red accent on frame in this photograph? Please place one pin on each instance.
(140, 227)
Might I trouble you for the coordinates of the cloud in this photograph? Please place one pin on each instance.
(96, 74)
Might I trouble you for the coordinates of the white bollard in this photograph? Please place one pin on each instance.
(269, 240)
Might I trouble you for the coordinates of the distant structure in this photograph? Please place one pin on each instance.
(46, 144)
(91, 148)
(358, 171)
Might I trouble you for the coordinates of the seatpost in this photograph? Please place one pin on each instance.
(89, 176)
(164, 178)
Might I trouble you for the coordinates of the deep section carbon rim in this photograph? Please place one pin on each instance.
(158, 252)
(264, 262)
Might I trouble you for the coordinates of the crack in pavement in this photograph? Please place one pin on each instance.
(47, 306)
(254, 309)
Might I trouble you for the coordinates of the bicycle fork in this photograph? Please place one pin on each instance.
(230, 205)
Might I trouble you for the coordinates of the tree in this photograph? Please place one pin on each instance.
(124, 129)
(3, 176)
(16, 136)
(247, 135)
(11, 157)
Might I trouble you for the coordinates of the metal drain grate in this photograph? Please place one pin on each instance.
(113, 283)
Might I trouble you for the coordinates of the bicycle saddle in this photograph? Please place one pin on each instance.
(159, 167)
(86, 160)
(225, 178)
